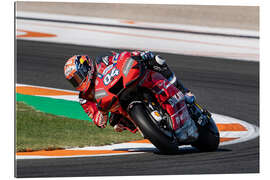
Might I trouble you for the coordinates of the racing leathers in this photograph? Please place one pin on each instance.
(88, 102)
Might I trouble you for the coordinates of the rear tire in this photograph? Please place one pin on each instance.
(151, 131)
(207, 140)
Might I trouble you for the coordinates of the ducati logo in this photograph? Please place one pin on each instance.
(176, 98)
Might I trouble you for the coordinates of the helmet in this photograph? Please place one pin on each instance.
(79, 71)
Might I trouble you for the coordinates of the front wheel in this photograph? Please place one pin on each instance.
(151, 131)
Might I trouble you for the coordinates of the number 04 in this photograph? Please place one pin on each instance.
(108, 78)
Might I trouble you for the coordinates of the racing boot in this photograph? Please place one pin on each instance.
(161, 66)
(158, 64)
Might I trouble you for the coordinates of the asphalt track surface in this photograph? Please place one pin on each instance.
(227, 87)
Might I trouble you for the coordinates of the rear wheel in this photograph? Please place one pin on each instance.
(208, 139)
(148, 126)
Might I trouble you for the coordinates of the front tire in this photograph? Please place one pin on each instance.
(151, 131)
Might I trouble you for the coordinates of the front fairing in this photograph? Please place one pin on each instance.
(114, 79)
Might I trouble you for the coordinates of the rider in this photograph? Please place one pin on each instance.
(81, 72)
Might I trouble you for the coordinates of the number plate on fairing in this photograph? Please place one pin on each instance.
(110, 76)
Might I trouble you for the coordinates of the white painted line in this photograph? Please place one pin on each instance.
(119, 147)
(65, 97)
(55, 157)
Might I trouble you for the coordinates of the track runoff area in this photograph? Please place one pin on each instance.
(193, 40)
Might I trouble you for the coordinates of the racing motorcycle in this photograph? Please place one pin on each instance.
(152, 104)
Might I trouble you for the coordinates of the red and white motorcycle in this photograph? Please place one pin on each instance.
(154, 105)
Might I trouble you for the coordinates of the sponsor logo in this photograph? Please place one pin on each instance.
(156, 115)
(100, 94)
(176, 98)
(105, 59)
(116, 57)
(165, 84)
(100, 75)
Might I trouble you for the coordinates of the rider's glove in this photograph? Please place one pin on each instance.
(189, 98)
(100, 120)
(147, 55)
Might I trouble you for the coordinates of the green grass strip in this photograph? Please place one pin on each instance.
(57, 107)
(37, 130)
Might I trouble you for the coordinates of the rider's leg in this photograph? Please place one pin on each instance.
(158, 64)
(161, 66)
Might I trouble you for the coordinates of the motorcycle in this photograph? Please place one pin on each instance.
(153, 105)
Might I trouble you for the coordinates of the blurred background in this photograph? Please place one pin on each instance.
(243, 17)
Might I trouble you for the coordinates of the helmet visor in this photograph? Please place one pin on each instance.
(77, 79)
